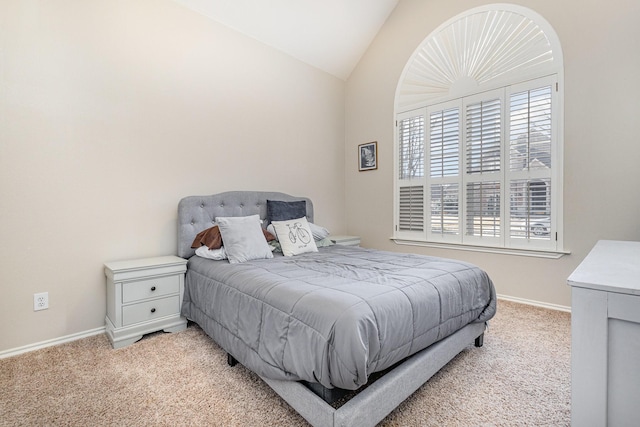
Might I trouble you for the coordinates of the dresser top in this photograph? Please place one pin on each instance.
(140, 267)
(612, 266)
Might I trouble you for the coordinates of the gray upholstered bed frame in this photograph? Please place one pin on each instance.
(196, 213)
(377, 400)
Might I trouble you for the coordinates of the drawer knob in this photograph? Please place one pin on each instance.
(153, 310)
(153, 288)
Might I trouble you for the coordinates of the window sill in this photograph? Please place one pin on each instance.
(504, 251)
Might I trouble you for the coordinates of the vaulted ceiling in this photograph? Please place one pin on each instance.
(331, 35)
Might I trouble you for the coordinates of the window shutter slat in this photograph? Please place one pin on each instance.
(411, 147)
(530, 130)
(483, 209)
(444, 209)
(444, 141)
(530, 210)
(483, 131)
(411, 208)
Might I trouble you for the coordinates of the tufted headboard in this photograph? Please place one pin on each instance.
(197, 213)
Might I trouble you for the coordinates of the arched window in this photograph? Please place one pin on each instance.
(479, 134)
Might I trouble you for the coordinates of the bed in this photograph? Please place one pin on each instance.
(323, 323)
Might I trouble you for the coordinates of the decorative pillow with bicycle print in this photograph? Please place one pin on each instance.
(295, 236)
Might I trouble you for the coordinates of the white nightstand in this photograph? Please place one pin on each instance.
(143, 296)
(346, 240)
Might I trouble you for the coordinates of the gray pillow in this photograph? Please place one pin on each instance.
(243, 239)
(278, 210)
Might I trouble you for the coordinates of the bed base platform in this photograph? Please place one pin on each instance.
(376, 401)
(331, 395)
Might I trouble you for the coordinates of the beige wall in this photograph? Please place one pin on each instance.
(602, 147)
(110, 112)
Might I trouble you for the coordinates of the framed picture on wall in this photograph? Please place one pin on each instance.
(368, 156)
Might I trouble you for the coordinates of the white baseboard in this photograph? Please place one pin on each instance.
(50, 343)
(535, 303)
(89, 333)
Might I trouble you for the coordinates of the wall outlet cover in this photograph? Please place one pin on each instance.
(40, 301)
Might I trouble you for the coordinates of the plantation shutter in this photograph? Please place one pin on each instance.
(483, 136)
(444, 141)
(411, 167)
(483, 152)
(444, 161)
(483, 209)
(530, 165)
(445, 212)
(530, 129)
(411, 216)
(411, 144)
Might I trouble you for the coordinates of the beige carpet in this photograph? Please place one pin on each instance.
(521, 377)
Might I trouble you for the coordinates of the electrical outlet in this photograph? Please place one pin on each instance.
(40, 301)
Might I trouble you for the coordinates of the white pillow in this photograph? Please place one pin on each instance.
(294, 236)
(217, 254)
(324, 242)
(319, 232)
(243, 238)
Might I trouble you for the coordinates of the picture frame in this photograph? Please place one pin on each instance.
(368, 156)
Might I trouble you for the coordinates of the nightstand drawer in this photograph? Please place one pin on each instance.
(150, 310)
(149, 288)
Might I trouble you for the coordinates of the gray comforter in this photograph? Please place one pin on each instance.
(336, 316)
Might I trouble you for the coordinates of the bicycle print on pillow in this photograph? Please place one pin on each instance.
(296, 232)
(295, 236)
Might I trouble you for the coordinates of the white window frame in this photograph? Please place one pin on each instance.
(556, 167)
(419, 181)
(462, 93)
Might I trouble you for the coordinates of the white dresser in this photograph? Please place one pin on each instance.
(143, 296)
(605, 336)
